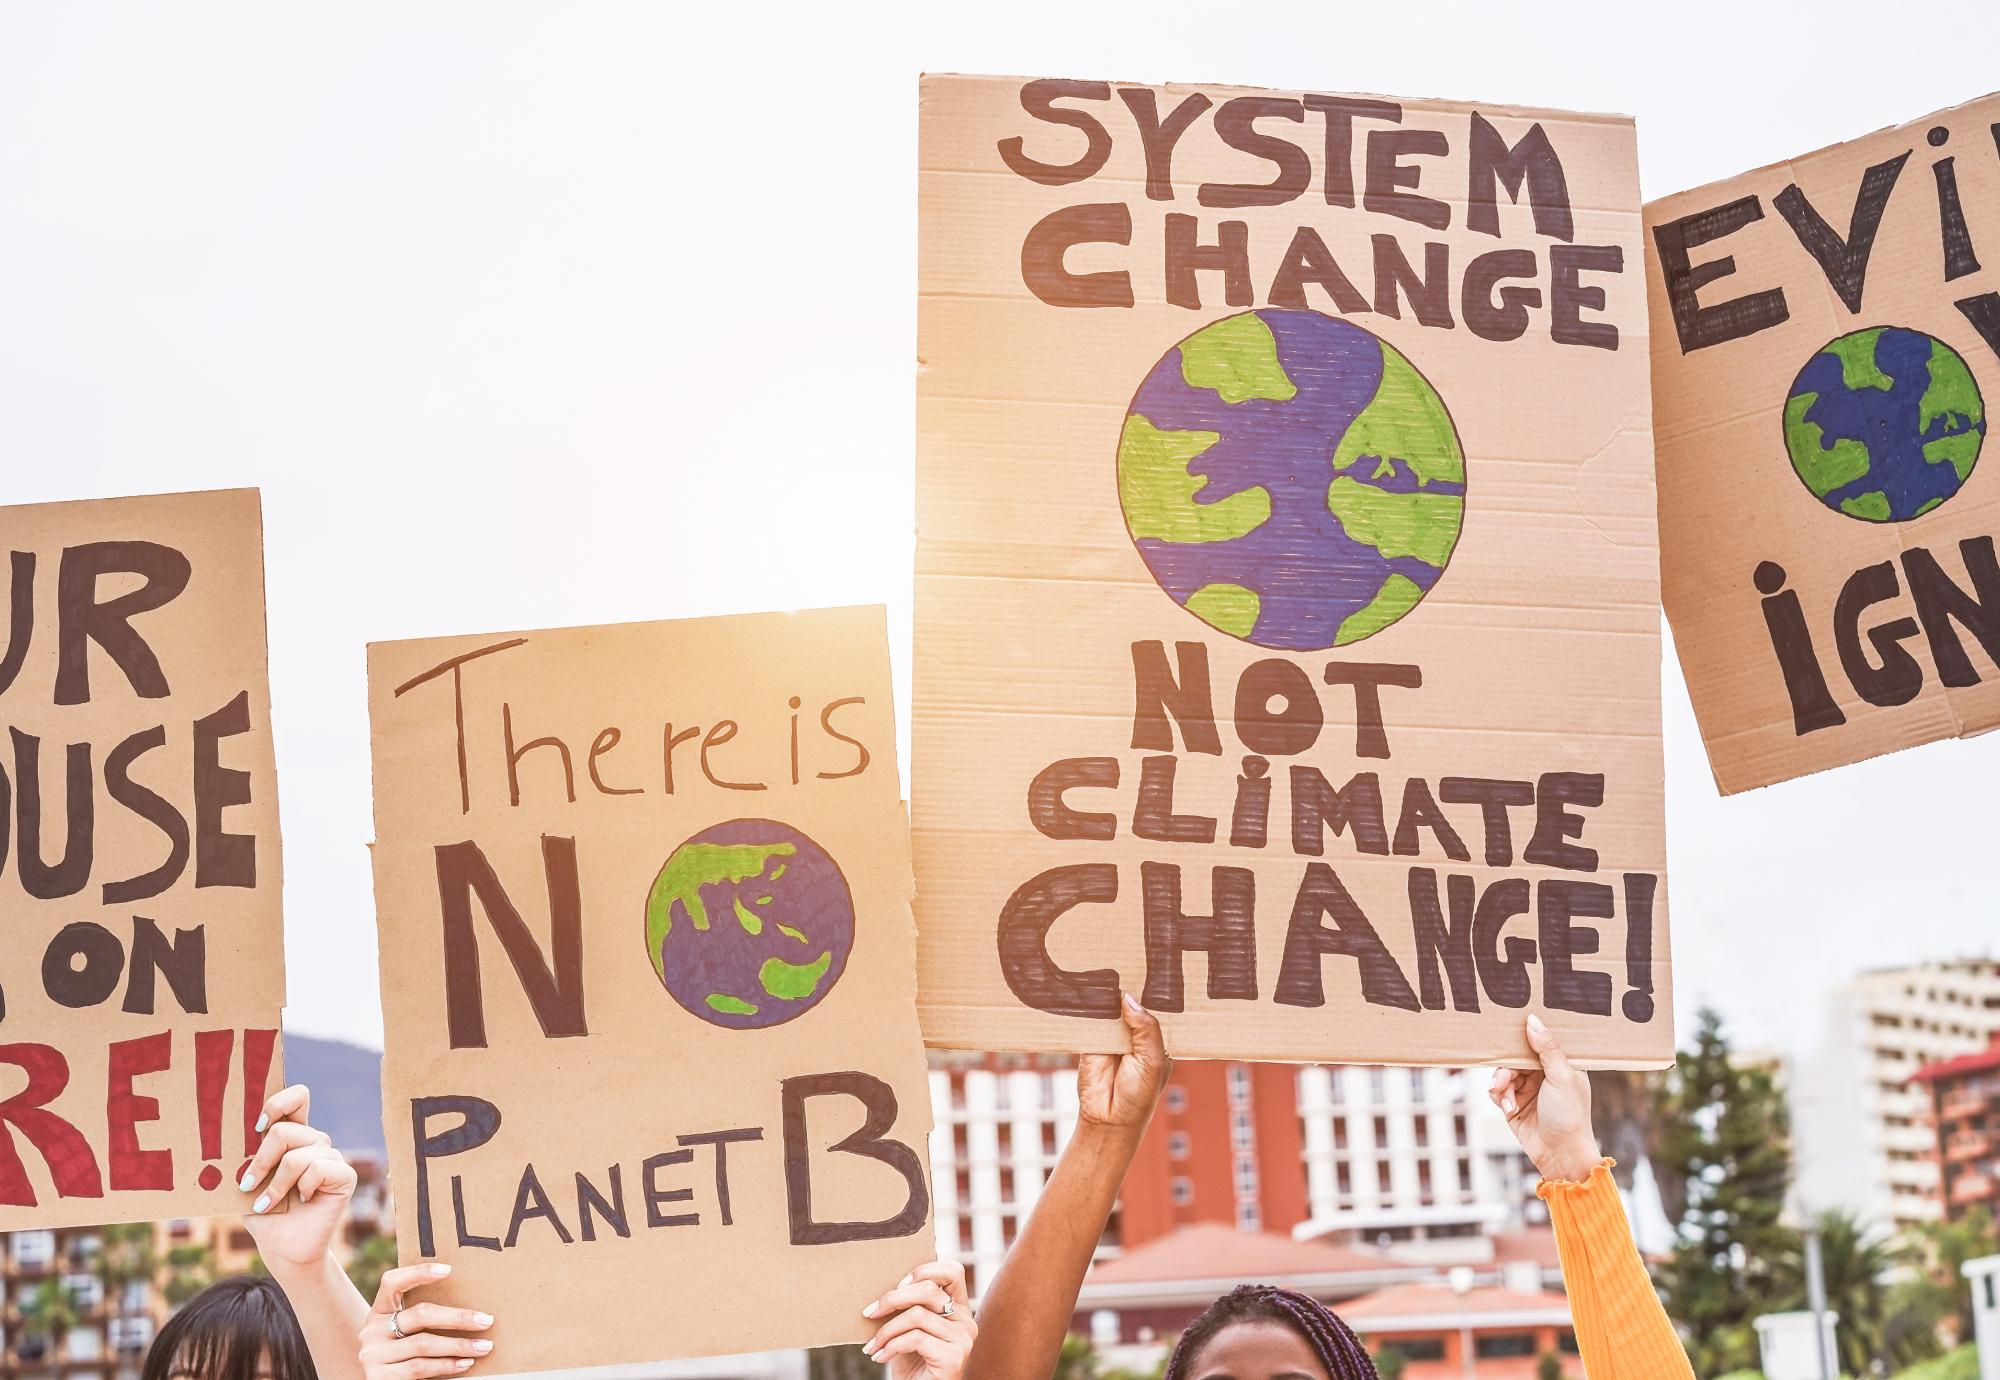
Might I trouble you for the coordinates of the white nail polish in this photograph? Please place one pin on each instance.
(440, 1270)
(482, 1319)
(263, 1123)
(248, 1182)
(263, 1201)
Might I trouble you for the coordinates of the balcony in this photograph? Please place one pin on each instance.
(1968, 1145)
(1972, 1188)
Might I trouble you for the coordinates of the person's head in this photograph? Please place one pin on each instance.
(240, 1328)
(1261, 1332)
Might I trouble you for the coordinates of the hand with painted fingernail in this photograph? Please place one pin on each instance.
(927, 1326)
(1548, 1109)
(296, 1160)
(401, 1340)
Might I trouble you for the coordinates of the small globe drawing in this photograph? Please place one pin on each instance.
(1290, 479)
(1884, 424)
(749, 924)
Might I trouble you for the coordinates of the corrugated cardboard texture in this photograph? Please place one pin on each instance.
(759, 754)
(144, 967)
(1730, 498)
(1538, 646)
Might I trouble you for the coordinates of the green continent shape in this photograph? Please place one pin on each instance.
(735, 1006)
(1421, 525)
(1953, 395)
(1405, 421)
(792, 981)
(1823, 468)
(1398, 595)
(692, 867)
(1238, 358)
(1158, 493)
(1873, 505)
(750, 920)
(1856, 354)
(1230, 608)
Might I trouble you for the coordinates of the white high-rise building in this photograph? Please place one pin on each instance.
(1860, 1132)
(1418, 1159)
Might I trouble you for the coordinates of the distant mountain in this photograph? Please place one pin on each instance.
(346, 1083)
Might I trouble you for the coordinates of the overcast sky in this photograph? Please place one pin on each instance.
(531, 315)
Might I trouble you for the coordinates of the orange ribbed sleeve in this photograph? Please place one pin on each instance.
(1621, 1329)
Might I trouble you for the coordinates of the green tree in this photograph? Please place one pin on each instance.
(124, 1257)
(1390, 1363)
(49, 1311)
(1941, 1249)
(1853, 1265)
(375, 1256)
(189, 1269)
(1549, 1366)
(1076, 1361)
(1725, 1135)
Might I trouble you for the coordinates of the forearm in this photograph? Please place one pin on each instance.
(330, 1311)
(1027, 1311)
(1622, 1332)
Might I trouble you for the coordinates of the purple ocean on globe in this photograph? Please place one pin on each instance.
(1291, 479)
(749, 924)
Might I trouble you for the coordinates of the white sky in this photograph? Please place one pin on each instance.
(530, 315)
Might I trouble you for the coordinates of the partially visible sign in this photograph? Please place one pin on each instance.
(1826, 348)
(643, 896)
(143, 974)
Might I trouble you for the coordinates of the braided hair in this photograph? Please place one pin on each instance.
(1338, 1349)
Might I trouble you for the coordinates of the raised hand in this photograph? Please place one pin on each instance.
(1122, 1089)
(1549, 1111)
(294, 1158)
(414, 1341)
(929, 1329)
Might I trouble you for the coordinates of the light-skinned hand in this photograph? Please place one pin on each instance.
(1549, 1110)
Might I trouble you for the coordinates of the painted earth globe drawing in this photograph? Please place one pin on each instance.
(749, 924)
(1290, 479)
(1884, 424)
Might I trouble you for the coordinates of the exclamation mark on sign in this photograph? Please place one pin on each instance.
(212, 1049)
(257, 1049)
(1638, 1002)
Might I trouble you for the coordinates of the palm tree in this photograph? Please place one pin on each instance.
(1943, 1248)
(1853, 1263)
(50, 1312)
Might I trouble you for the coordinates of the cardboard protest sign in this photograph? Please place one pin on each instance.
(143, 974)
(1828, 336)
(648, 982)
(1286, 642)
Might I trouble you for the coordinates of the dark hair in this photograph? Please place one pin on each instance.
(227, 1331)
(1332, 1340)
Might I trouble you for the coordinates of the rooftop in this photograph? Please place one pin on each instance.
(1425, 1307)
(1977, 1062)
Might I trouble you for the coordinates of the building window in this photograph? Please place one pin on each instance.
(1417, 1093)
(1498, 1344)
(1242, 1134)
(1337, 1081)
(1176, 1098)
(1345, 1178)
(1239, 1085)
(33, 1250)
(1378, 1087)
(1415, 1348)
(1423, 1130)
(1382, 1177)
(1247, 1218)
(1246, 1177)
(1424, 1179)
(1465, 1176)
(1381, 1130)
(1340, 1133)
(1182, 1189)
(1177, 1145)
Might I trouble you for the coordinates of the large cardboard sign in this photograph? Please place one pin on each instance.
(648, 981)
(1828, 341)
(143, 974)
(1286, 642)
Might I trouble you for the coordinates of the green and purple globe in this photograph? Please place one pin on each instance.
(1291, 479)
(749, 924)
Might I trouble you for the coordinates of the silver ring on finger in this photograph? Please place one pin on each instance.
(396, 1325)
(949, 1308)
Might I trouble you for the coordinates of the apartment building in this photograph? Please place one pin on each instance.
(1861, 1128)
(1964, 1098)
(1417, 1159)
(59, 1320)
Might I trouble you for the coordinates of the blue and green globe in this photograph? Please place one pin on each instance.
(1884, 424)
(749, 924)
(1291, 479)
